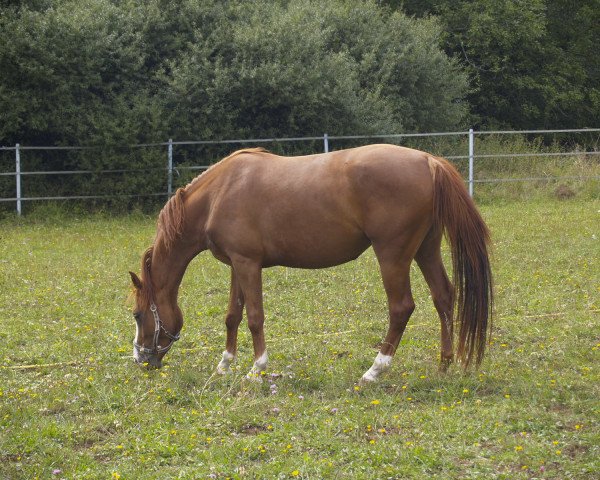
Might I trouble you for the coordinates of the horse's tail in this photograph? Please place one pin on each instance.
(455, 213)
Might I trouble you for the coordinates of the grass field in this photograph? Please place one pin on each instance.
(73, 405)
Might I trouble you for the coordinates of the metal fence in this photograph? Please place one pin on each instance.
(170, 167)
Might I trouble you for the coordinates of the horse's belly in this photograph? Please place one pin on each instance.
(314, 249)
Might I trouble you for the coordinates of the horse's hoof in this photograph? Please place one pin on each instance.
(445, 364)
(366, 380)
(224, 371)
(223, 368)
(254, 377)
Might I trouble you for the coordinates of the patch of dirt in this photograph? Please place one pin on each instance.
(564, 192)
(253, 429)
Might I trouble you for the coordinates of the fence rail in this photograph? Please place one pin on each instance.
(170, 167)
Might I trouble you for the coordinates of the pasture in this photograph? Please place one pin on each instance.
(73, 405)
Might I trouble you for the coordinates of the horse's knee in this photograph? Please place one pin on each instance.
(255, 324)
(232, 321)
(401, 311)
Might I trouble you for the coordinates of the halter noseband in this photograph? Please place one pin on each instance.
(158, 326)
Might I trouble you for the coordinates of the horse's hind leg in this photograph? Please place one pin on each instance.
(429, 259)
(232, 322)
(395, 274)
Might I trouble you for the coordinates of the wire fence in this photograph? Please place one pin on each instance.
(166, 171)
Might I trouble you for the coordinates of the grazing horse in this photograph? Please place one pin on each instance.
(254, 210)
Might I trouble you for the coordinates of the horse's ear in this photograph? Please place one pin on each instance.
(137, 283)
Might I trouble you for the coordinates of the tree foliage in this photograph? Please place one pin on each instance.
(533, 64)
(103, 72)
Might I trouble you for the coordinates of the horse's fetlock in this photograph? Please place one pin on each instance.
(224, 366)
(381, 365)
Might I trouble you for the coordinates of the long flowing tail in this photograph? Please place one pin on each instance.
(469, 237)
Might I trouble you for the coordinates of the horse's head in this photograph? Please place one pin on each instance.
(157, 323)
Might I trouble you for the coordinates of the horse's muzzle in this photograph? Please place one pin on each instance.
(146, 360)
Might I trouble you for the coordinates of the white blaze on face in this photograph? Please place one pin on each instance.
(137, 331)
(136, 355)
(381, 364)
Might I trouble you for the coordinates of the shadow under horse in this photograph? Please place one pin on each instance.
(254, 210)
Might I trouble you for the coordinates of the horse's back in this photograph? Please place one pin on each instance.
(362, 170)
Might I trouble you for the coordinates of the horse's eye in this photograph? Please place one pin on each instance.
(137, 316)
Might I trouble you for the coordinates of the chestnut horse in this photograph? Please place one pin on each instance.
(254, 210)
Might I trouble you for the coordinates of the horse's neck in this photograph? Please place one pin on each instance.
(173, 253)
(169, 265)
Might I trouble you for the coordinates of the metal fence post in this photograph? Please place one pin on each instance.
(471, 157)
(170, 169)
(326, 143)
(18, 176)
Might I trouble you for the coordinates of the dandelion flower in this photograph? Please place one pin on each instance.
(375, 402)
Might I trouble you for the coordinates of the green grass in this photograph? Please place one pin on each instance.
(531, 411)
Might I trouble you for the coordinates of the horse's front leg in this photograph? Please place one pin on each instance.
(249, 275)
(232, 322)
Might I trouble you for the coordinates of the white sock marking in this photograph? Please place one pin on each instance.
(224, 365)
(260, 365)
(381, 364)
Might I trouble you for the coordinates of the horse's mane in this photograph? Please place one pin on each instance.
(144, 296)
(172, 216)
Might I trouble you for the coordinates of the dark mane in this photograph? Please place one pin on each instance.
(172, 216)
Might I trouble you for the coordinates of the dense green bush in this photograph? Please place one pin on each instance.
(106, 74)
(95, 72)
